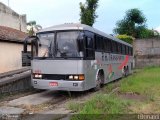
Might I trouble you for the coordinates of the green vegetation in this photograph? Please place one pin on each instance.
(146, 82)
(134, 24)
(31, 27)
(88, 12)
(138, 93)
(126, 38)
(101, 104)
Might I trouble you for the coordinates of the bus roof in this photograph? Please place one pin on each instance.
(77, 26)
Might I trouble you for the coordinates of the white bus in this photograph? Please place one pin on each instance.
(77, 57)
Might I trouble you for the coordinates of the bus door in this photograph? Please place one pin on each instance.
(89, 54)
(27, 55)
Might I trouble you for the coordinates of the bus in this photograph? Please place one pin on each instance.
(77, 57)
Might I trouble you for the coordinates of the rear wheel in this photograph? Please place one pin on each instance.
(125, 71)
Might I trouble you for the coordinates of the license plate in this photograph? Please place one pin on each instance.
(53, 84)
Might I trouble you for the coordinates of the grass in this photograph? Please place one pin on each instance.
(98, 107)
(101, 104)
(143, 83)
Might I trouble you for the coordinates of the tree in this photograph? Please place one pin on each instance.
(133, 24)
(32, 27)
(136, 16)
(88, 12)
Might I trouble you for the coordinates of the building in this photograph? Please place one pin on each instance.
(10, 18)
(12, 34)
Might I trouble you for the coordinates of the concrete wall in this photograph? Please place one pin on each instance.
(10, 56)
(11, 19)
(147, 52)
(16, 83)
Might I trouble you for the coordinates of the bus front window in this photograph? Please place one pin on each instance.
(45, 41)
(66, 44)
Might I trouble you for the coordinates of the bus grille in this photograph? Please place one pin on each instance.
(54, 77)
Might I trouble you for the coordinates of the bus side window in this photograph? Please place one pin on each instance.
(102, 45)
(131, 51)
(89, 49)
(123, 49)
(105, 44)
(95, 42)
(109, 45)
(126, 50)
(80, 42)
(114, 47)
(119, 48)
(98, 43)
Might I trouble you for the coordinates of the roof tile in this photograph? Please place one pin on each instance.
(7, 33)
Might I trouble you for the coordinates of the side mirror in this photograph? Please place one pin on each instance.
(27, 56)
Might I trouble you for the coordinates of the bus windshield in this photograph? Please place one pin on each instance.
(66, 44)
(63, 46)
(45, 41)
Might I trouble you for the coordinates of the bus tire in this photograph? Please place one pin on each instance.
(125, 71)
(99, 81)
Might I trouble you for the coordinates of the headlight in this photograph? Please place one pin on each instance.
(76, 77)
(37, 76)
(71, 77)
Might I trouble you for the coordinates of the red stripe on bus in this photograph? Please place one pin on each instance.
(124, 63)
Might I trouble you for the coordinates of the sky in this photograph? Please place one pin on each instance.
(52, 12)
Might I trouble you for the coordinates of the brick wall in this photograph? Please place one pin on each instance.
(15, 83)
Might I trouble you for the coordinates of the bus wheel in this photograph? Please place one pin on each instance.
(98, 82)
(125, 71)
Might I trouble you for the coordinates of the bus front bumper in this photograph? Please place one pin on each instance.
(58, 85)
